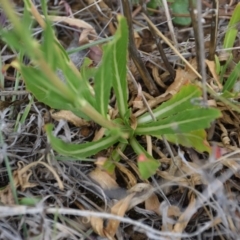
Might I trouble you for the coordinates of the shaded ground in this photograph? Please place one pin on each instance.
(194, 196)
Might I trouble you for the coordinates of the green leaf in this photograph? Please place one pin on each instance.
(48, 47)
(183, 122)
(196, 139)
(43, 90)
(217, 64)
(109, 165)
(147, 165)
(232, 29)
(234, 76)
(181, 101)
(119, 65)
(103, 80)
(181, 7)
(79, 150)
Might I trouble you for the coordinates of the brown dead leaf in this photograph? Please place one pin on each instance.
(99, 134)
(212, 68)
(137, 194)
(88, 32)
(118, 209)
(20, 179)
(157, 77)
(182, 77)
(185, 216)
(138, 101)
(137, 39)
(224, 136)
(153, 204)
(102, 178)
(129, 178)
(173, 211)
(97, 225)
(68, 116)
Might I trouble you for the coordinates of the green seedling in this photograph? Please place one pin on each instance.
(180, 119)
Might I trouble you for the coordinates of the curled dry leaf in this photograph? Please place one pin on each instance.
(20, 179)
(157, 77)
(68, 116)
(137, 194)
(129, 178)
(224, 136)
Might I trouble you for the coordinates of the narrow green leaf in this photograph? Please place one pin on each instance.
(103, 80)
(196, 139)
(223, 69)
(39, 85)
(183, 122)
(44, 7)
(181, 101)
(91, 44)
(119, 65)
(22, 33)
(232, 29)
(147, 165)
(234, 76)
(48, 46)
(217, 64)
(79, 150)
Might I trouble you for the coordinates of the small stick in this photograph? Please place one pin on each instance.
(147, 79)
(214, 28)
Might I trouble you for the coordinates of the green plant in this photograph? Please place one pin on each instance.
(228, 43)
(179, 119)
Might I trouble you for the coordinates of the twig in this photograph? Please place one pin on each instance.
(214, 28)
(169, 22)
(202, 51)
(159, 46)
(147, 79)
